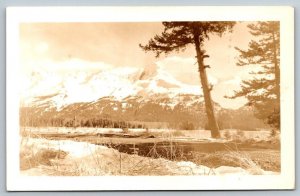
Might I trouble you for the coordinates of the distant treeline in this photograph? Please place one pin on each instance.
(227, 119)
(224, 123)
(73, 122)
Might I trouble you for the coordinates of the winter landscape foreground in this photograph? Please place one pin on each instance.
(90, 152)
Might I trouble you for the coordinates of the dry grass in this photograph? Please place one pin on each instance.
(37, 160)
(32, 156)
(244, 161)
(239, 136)
(231, 157)
(46, 160)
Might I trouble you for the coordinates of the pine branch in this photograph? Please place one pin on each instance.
(177, 35)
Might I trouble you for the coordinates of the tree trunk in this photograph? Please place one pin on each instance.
(212, 123)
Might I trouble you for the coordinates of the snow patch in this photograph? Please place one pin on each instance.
(75, 149)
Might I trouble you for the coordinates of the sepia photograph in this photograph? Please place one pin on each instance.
(152, 98)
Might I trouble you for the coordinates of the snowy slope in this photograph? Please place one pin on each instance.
(58, 90)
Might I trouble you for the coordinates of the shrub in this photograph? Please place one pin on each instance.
(187, 126)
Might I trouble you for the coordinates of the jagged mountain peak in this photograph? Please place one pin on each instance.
(117, 83)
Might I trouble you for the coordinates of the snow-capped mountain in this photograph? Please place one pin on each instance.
(149, 95)
(59, 91)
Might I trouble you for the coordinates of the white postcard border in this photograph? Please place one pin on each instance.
(17, 15)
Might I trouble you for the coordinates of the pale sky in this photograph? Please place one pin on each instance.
(52, 46)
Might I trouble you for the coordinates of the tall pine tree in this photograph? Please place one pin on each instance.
(263, 91)
(175, 37)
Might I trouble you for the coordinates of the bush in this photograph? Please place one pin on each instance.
(274, 119)
(187, 126)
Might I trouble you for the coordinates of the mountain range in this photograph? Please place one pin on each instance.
(125, 94)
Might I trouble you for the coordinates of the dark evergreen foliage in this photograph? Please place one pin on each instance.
(263, 91)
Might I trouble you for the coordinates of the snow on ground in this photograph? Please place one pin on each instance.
(71, 130)
(191, 134)
(89, 160)
(74, 149)
(205, 134)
